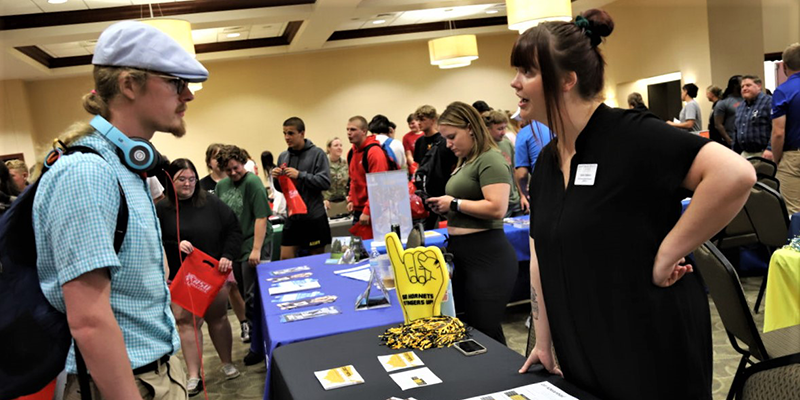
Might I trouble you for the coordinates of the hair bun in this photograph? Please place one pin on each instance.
(601, 23)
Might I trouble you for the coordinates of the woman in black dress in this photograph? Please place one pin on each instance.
(609, 293)
(206, 223)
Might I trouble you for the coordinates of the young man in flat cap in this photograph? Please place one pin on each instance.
(117, 303)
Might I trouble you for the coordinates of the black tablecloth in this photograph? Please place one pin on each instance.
(293, 367)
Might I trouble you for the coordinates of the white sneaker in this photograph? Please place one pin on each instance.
(194, 386)
(230, 371)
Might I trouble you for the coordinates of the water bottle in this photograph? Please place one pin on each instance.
(382, 266)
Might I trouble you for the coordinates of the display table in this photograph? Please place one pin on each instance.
(277, 333)
(518, 237)
(462, 377)
(782, 297)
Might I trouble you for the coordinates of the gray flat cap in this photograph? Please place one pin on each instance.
(138, 45)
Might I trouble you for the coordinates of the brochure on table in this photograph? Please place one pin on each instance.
(394, 362)
(536, 391)
(339, 377)
(415, 378)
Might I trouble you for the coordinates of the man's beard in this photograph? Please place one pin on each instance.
(178, 131)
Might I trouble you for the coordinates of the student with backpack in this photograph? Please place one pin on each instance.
(381, 127)
(366, 156)
(436, 161)
(117, 302)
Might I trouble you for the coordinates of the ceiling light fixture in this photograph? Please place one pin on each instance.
(234, 35)
(453, 51)
(525, 14)
(378, 21)
(181, 31)
(56, 1)
(491, 11)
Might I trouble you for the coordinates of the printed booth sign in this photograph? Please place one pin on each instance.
(197, 283)
(420, 276)
(294, 203)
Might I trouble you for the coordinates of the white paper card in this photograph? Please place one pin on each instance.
(585, 174)
(536, 391)
(293, 286)
(415, 378)
(339, 377)
(394, 362)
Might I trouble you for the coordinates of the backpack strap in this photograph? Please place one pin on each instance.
(365, 160)
(388, 149)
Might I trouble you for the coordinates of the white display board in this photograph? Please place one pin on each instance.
(388, 203)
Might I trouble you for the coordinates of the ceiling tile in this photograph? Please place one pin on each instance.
(94, 4)
(266, 31)
(233, 34)
(66, 50)
(70, 5)
(202, 36)
(18, 7)
(137, 2)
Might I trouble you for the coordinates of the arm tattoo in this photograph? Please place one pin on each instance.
(534, 304)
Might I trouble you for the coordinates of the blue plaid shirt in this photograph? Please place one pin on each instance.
(74, 217)
(754, 123)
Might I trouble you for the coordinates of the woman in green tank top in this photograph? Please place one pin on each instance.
(475, 201)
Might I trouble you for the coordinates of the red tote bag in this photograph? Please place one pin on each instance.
(294, 203)
(197, 283)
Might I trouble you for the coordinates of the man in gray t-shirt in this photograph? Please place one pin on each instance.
(689, 117)
(725, 115)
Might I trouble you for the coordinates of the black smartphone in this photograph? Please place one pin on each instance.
(470, 347)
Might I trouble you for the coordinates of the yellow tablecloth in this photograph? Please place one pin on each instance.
(782, 297)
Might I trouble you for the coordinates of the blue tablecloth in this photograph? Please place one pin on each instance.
(277, 333)
(517, 236)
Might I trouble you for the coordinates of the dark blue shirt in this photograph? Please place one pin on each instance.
(786, 102)
(754, 123)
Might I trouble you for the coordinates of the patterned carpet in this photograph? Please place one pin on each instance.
(250, 385)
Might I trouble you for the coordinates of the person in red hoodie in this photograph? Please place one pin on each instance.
(358, 199)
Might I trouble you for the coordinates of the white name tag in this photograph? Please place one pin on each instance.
(585, 174)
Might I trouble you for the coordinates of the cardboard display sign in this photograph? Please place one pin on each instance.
(421, 278)
(197, 283)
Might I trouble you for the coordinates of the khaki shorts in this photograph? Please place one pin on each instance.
(169, 383)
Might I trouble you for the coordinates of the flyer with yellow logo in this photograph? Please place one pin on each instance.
(339, 377)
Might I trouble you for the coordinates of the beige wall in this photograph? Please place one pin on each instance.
(15, 120)
(781, 20)
(654, 37)
(736, 35)
(245, 102)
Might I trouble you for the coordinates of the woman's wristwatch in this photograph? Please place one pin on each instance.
(455, 205)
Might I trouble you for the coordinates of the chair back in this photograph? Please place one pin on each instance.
(763, 166)
(726, 291)
(768, 214)
(738, 232)
(770, 181)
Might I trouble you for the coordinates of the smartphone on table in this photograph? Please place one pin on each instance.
(470, 347)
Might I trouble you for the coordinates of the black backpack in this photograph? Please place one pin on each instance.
(365, 161)
(431, 176)
(34, 336)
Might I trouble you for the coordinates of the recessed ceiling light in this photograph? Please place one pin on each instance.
(234, 35)
(491, 11)
(56, 1)
(378, 21)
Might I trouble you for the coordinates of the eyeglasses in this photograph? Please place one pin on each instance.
(179, 83)
(183, 179)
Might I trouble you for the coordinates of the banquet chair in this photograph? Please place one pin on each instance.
(770, 219)
(763, 166)
(775, 379)
(728, 296)
(772, 182)
(738, 232)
